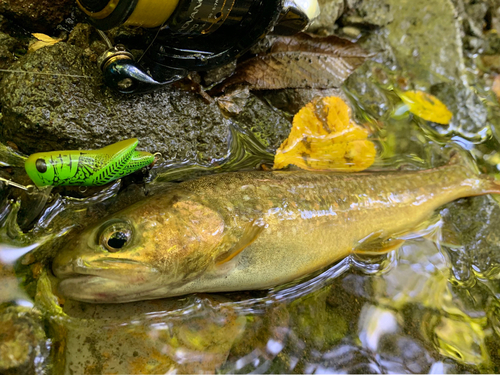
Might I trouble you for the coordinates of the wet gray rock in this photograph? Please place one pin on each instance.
(368, 13)
(74, 110)
(270, 126)
(37, 15)
(426, 34)
(8, 47)
(331, 10)
(479, 21)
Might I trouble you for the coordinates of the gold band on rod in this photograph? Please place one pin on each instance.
(151, 13)
(147, 13)
(103, 13)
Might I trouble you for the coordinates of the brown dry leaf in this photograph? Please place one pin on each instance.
(300, 61)
(324, 138)
(42, 41)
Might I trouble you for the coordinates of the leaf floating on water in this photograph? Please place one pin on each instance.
(323, 138)
(300, 61)
(426, 106)
(42, 41)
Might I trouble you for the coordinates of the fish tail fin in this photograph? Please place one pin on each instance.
(481, 184)
(490, 185)
(463, 160)
(487, 183)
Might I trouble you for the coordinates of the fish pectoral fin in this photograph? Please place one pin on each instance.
(376, 245)
(252, 231)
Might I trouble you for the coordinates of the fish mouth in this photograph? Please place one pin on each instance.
(97, 289)
(109, 280)
(114, 268)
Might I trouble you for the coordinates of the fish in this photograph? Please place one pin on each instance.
(254, 230)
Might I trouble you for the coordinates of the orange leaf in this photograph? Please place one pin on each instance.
(324, 138)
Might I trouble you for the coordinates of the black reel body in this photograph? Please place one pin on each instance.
(188, 35)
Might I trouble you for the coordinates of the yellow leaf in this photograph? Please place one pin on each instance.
(426, 106)
(45, 38)
(323, 138)
(42, 41)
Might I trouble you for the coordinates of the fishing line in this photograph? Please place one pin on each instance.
(150, 44)
(44, 73)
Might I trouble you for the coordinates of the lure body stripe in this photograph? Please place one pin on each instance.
(87, 168)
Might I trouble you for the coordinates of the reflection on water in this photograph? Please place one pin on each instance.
(431, 306)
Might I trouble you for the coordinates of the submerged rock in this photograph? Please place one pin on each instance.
(469, 112)
(471, 238)
(191, 335)
(24, 349)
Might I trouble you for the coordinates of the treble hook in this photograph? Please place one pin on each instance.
(29, 189)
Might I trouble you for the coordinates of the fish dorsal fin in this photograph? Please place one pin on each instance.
(250, 234)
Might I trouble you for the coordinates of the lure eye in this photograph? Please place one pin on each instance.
(41, 166)
(116, 236)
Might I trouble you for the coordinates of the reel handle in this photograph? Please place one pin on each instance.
(124, 75)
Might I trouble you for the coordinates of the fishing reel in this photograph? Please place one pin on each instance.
(189, 35)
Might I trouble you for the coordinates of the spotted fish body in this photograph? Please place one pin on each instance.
(87, 168)
(252, 230)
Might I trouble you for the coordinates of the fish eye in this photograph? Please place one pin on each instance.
(41, 166)
(116, 236)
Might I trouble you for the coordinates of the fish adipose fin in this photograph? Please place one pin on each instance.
(250, 234)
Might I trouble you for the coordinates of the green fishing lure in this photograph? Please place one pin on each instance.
(87, 168)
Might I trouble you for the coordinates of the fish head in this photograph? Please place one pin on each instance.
(142, 252)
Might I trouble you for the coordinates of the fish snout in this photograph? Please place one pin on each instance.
(63, 266)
